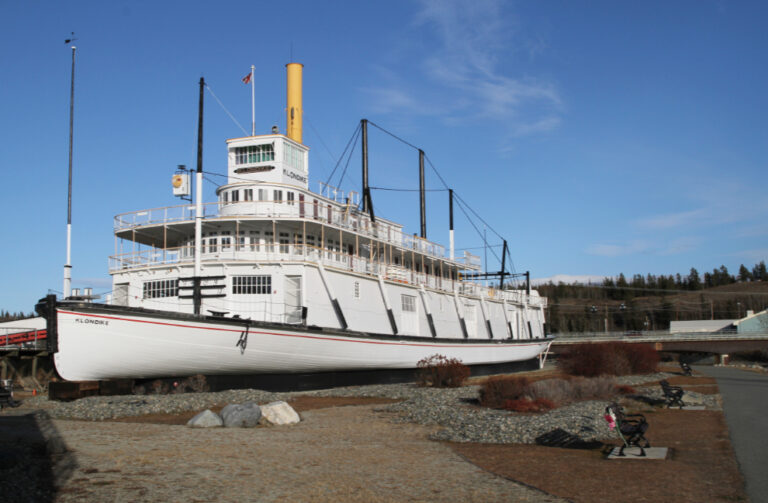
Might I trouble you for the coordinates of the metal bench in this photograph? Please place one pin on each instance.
(672, 394)
(631, 428)
(686, 368)
(6, 394)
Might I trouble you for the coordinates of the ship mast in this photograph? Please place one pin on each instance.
(196, 292)
(68, 266)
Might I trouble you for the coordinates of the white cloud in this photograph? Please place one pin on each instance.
(755, 255)
(462, 63)
(614, 250)
(672, 220)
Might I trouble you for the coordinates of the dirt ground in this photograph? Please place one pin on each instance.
(346, 451)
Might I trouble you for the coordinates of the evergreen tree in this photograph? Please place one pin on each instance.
(694, 282)
(759, 272)
(744, 274)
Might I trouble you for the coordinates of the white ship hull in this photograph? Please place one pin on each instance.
(97, 342)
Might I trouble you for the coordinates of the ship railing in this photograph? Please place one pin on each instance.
(23, 338)
(293, 252)
(346, 219)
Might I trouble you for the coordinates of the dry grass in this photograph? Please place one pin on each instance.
(702, 466)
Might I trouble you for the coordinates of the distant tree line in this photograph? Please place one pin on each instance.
(8, 316)
(650, 302)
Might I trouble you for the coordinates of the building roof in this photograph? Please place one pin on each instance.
(699, 326)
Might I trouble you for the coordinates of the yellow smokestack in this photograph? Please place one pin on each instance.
(293, 110)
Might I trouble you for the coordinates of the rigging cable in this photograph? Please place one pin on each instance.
(349, 158)
(352, 139)
(225, 109)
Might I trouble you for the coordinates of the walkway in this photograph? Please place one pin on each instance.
(746, 412)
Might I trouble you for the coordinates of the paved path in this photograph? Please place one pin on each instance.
(745, 402)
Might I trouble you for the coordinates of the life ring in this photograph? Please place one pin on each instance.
(177, 181)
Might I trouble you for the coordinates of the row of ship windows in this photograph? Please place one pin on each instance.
(233, 196)
(241, 285)
(252, 241)
(253, 154)
(262, 285)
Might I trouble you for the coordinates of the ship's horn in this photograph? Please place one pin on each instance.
(294, 111)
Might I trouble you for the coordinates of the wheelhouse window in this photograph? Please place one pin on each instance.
(247, 194)
(293, 157)
(290, 195)
(255, 153)
(252, 285)
(278, 196)
(235, 196)
(162, 288)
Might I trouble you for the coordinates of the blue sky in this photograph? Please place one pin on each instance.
(596, 137)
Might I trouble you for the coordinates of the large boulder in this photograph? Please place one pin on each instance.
(245, 415)
(280, 413)
(206, 419)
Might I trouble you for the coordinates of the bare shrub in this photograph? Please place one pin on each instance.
(565, 391)
(438, 371)
(496, 391)
(610, 358)
(559, 391)
(595, 388)
(527, 405)
(159, 387)
(643, 358)
(197, 383)
(625, 390)
(179, 387)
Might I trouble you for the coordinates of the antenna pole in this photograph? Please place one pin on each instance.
(253, 103)
(68, 266)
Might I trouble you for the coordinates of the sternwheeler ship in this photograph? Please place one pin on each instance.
(273, 278)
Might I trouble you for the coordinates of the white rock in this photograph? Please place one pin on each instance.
(279, 413)
(206, 419)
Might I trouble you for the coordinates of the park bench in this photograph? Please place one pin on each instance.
(631, 428)
(686, 368)
(6, 394)
(672, 394)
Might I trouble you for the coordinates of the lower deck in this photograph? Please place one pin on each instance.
(306, 293)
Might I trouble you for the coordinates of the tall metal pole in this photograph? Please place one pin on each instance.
(253, 102)
(450, 221)
(68, 266)
(364, 125)
(196, 293)
(422, 196)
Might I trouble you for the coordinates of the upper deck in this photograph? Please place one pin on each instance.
(150, 226)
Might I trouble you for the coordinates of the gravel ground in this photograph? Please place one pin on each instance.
(453, 409)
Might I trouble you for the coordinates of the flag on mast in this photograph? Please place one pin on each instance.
(247, 78)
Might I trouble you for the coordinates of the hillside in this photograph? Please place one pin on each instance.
(595, 308)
